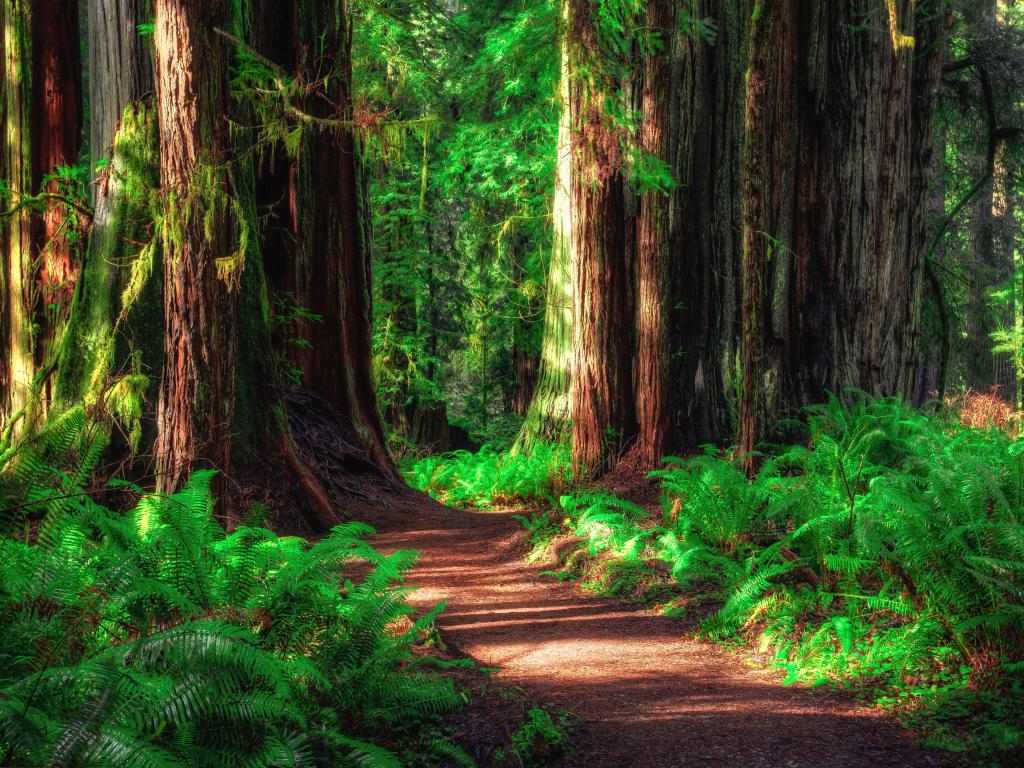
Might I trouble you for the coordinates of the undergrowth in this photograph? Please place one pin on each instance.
(487, 477)
(886, 555)
(152, 638)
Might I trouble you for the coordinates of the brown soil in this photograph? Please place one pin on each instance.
(648, 695)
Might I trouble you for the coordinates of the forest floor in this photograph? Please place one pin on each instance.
(647, 694)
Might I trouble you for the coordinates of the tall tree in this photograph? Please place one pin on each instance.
(200, 272)
(57, 139)
(845, 220)
(17, 165)
(652, 241)
(106, 335)
(603, 416)
(332, 267)
(707, 140)
(43, 133)
(549, 413)
(120, 67)
(767, 177)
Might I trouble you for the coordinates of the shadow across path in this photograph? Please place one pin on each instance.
(647, 695)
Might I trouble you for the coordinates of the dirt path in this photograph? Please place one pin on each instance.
(648, 696)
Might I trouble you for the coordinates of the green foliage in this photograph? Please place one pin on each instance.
(542, 740)
(886, 553)
(461, 204)
(286, 324)
(463, 479)
(42, 473)
(153, 638)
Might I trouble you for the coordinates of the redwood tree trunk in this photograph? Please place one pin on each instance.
(833, 235)
(767, 202)
(333, 263)
(548, 416)
(196, 393)
(120, 68)
(707, 137)
(861, 197)
(56, 142)
(652, 278)
(17, 164)
(602, 392)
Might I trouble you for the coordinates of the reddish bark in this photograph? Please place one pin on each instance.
(652, 279)
(333, 258)
(767, 157)
(603, 415)
(197, 388)
(56, 135)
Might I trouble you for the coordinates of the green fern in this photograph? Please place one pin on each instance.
(155, 639)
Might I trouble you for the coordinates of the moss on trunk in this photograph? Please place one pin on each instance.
(548, 417)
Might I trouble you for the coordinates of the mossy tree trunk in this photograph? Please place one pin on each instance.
(112, 332)
(548, 416)
(603, 416)
(196, 394)
(114, 338)
(17, 164)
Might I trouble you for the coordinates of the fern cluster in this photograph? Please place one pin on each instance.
(889, 549)
(464, 479)
(154, 639)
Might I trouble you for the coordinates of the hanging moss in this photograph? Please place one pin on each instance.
(113, 341)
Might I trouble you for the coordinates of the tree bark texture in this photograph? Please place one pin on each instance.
(549, 414)
(834, 236)
(860, 234)
(650, 381)
(767, 203)
(56, 142)
(120, 69)
(333, 264)
(708, 96)
(17, 163)
(103, 334)
(603, 416)
(197, 388)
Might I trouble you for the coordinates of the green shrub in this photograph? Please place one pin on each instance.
(464, 479)
(887, 552)
(155, 639)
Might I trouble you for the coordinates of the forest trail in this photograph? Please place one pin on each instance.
(648, 696)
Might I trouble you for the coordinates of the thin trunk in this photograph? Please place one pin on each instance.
(196, 393)
(57, 141)
(17, 82)
(652, 279)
